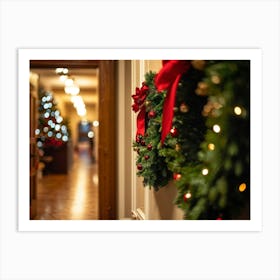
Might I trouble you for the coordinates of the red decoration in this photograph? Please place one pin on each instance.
(52, 142)
(174, 132)
(187, 196)
(177, 176)
(152, 114)
(143, 143)
(146, 157)
(138, 138)
(139, 99)
(139, 166)
(168, 79)
(149, 147)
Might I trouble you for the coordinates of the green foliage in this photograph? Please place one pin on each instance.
(210, 156)
(154, 169)
(228, 164)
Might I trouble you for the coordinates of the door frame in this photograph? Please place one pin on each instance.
(107, 188)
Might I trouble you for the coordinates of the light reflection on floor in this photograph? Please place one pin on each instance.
(70, 197)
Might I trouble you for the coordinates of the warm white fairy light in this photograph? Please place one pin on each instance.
(237, 110)
(216, 128)
(63, 78)
(211, 147)
(242, 187)
(68, 82)
(72, 89)
(90, 134)
(188, 195)
(58, 70)
(95, 123)
(205, 171)
(59, 119)
(79, 104)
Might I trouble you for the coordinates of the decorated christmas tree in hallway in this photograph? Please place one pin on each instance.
(53, 136)
(202, 115)
(52, 129)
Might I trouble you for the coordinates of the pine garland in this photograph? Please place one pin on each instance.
(151, 166)
(208, 148)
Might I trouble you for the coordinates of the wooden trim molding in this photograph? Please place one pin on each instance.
(107, 140)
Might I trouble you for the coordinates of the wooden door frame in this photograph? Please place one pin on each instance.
(107, 188)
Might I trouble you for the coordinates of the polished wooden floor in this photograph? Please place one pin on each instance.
(70, 197)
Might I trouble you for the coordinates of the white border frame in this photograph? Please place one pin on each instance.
(24, 57)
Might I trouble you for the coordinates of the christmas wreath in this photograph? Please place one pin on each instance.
(193, 127)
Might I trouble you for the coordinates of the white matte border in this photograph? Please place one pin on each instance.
(254, 55)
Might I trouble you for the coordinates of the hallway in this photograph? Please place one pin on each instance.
(72, 196)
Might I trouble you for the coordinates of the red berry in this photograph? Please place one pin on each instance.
(139, 166)
(174, 132)
(143, 143)
(149, 147)
(146, 157)
(152, 114)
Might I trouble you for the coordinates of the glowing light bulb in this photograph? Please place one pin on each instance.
(65, 71)
(68, 82)
(216, 128)
(205, 171)
(242, 187)
(211, 147)
(58, 70)
(90, 134)
(95, 123)
(63, 78)
(215, 79)
(237, 110)
(188, 195)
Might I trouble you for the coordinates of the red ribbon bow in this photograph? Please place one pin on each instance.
(168, 79)
(139, 98)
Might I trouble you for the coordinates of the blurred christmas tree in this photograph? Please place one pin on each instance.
(52, 129)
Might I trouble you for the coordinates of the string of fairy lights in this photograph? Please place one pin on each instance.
(212, 109)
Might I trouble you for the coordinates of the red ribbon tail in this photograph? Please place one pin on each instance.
(141, 122)
(168, 109)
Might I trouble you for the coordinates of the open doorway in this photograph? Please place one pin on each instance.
(67, 137)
